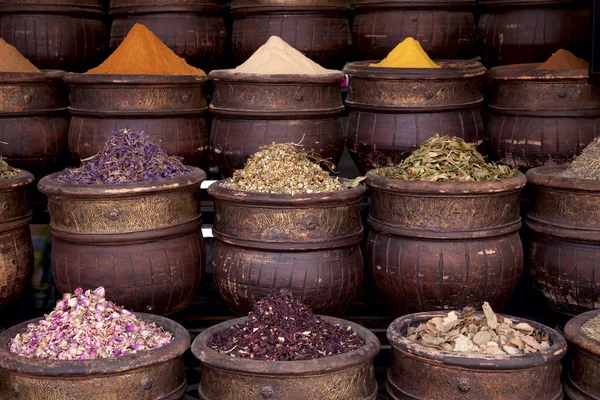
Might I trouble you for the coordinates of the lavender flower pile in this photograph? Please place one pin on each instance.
(280, 328)
(127, 157)
(84, 325)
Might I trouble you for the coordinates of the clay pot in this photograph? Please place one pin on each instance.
(564, 220)
(583, 365)
(444, 245)
(320, 29)
(307, 243)
(170, 109)
(254, 110)
(418, 372)
(193, 29)
(16, 263)
(539, 118)
(394, 110)
(348, 376)
(68, 35)
(155, 375)
(141, 241)
(445, 29)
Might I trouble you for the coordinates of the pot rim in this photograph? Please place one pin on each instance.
(398, 341)
(575, 335)
(528, 72)
(374, 4)
(50, 188)
(375, 181)
(23, 179)
(544, 176)
(106, 366)
(45, 76)
(227, 75)
(451, 69)
(218, 360)
(132, 79)
(526, 3)
(289, 5)
(218, 192)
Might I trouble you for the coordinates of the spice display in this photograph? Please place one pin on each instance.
(276, 57)
(126, 157)
(447, 159)
(407, 54)
(142, 52)
(586, 165)
(282, 169)
(466, 332)
(84, 325)
(13, 61)
(563, 60)
(281, 328)
(6, 171)
(591, 328)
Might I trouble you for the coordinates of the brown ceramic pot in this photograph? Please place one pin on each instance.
(348, 376)
(307, 243)
(394, 110)
(418, 372)
(16, 258)
(154, 375)
(141, 241)
(583, 365)
(444, 245)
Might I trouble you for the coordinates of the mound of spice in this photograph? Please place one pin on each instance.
(276, 57)
(563, 60)
(586, 165)
(6, 171)
(142, 52)
(465, 332)
(11, 60)
(84, 325)
(591, 328)
(127, 157)
(281, 328)
(447, 159)
(407, 54)
(282, 169)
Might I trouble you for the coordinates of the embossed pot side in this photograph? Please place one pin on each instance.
(16, 249)
(153, 375)
(193, 29)
(444, 245)
(418, 372)
(170, 109)
(348, 376)
(254, 110)
(393, 110)
(308, 243)
(539, 118)
(141, 241)
(445, 29)
(583, 364)
(564, 221)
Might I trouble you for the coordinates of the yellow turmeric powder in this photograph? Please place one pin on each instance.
(408, 54)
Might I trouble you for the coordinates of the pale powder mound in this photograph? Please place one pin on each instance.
(13, 61)
(276, 57)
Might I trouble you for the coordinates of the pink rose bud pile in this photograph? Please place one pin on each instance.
(84, 325)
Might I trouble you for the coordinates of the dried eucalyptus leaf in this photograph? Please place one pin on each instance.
(355, 182)
(482, 337)
(523, 326)
(492, 321)
(529, 341)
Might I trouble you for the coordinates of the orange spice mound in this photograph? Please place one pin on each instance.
(563, 60)
(142, 52)
(13, 61)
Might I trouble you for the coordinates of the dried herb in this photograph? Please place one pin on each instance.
(591, 328)
(281, 328)
(465, 332)
(6, 171)
(447, 159)
(127, 157)
(587, 165)
(283, 169)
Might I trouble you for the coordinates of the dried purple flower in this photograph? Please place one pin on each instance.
(84, 325)
(126, 157)
(281, 328)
